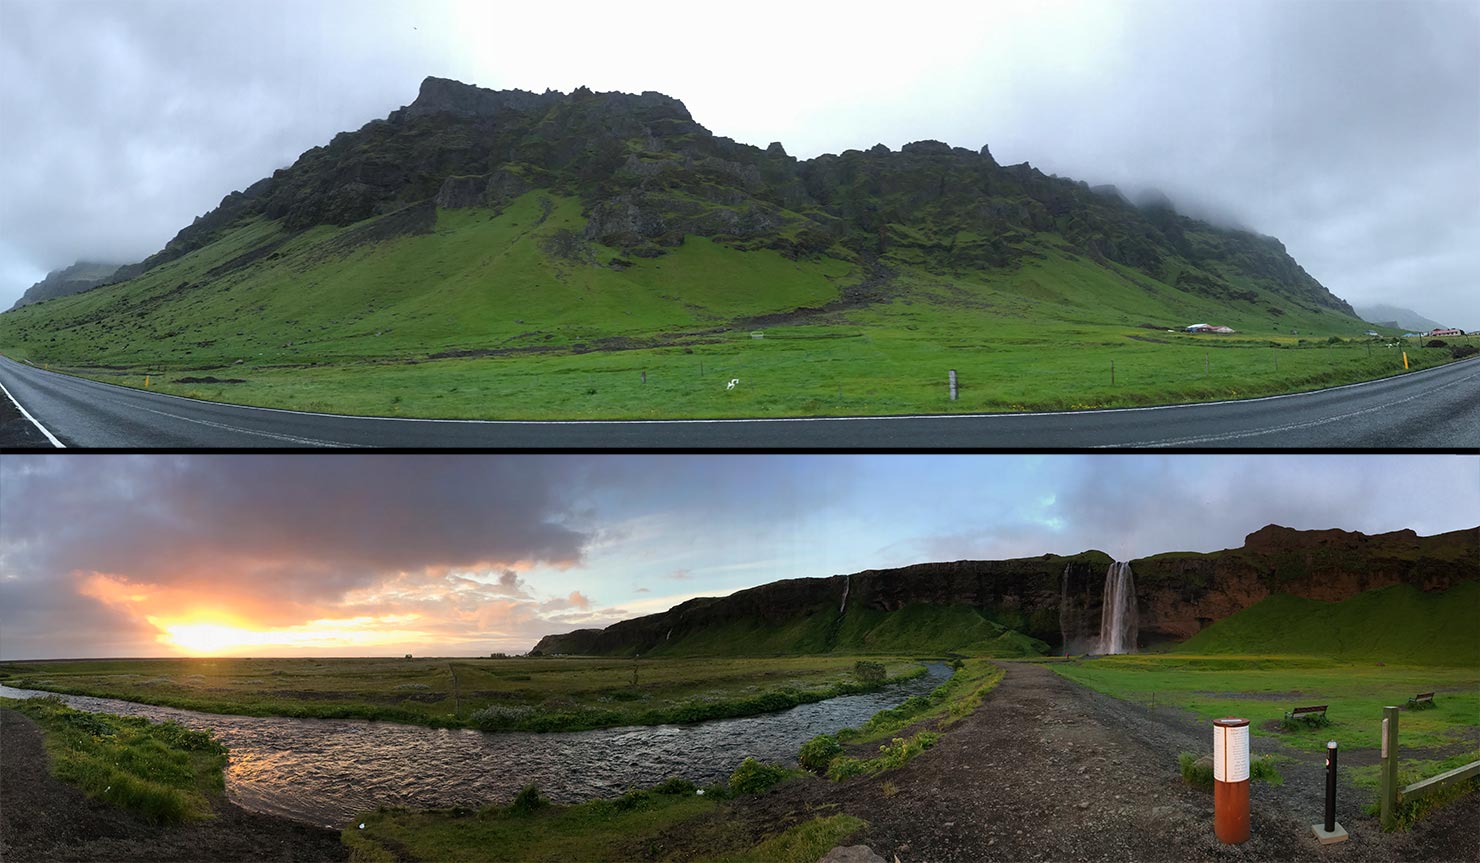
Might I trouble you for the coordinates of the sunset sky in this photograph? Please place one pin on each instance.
(463, 555)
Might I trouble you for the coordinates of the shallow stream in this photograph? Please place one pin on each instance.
(325, 771)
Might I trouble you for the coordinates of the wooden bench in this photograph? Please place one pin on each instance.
(1314, 715)
(1421, 700)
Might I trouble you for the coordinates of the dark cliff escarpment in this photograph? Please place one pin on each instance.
(649, 175)
(1177, 593)
(75, 279)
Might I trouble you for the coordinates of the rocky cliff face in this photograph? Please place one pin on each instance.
(1053, 598)
(650, 175)
(69, 280)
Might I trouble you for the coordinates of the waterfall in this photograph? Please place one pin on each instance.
(1066, 637)
(847, 583)
(1118, 624)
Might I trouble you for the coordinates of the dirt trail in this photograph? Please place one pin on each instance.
(1049, 770)
(44, 819)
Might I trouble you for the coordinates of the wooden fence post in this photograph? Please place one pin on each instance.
(1389, 768)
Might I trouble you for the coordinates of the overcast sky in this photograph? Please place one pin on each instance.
(1348, 129)
(463, 555)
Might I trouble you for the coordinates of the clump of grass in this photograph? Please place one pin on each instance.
(1304, 721)
(163, 771)
(754, 777)
(1263, 769)
(802, 843)
(888, 789)
(817, 752)
(891, 755)
(1198, 771)
(528, 800)
(1410, 812)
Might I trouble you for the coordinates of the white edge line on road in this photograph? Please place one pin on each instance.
(37, 423)
(1084, 413)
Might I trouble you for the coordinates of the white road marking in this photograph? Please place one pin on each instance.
(286, 437)
(1289, 427)
(37, 423)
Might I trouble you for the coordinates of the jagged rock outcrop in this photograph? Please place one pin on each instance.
(1177, 593)
(75, 279)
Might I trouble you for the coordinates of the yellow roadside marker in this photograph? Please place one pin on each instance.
(1405, 360)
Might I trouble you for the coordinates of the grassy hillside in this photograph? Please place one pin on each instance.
(918, 629)
(1398, 624)
(482, 317)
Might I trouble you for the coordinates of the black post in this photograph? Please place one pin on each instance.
(1331, 786)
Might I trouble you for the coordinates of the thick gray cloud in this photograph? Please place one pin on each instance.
(1347, 128)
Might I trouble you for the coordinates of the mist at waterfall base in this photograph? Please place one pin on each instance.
(1119, 623)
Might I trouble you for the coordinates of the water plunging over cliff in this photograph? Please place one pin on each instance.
(1118, 621)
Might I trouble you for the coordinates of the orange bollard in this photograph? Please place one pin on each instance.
(1231, 780)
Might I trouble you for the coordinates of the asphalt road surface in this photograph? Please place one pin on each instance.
(1437, 408)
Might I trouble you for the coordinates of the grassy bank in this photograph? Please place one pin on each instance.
(943, 706)
(161, 770)
(638, 825)
(539, 694)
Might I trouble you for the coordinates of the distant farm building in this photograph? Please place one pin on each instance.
(1208, 328)
(1446, 331)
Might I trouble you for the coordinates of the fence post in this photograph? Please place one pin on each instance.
(1389, 769)
(953, 384)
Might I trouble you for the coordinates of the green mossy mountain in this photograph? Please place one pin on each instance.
(1025, 606)
(578, 245)
(648, 176)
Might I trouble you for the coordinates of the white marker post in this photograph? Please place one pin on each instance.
(1231, 780)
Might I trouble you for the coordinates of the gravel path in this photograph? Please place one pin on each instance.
(1049, 770)
(44, 819)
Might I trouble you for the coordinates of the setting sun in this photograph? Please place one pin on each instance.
(212, 637)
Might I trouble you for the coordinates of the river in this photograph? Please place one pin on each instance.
(325, 771)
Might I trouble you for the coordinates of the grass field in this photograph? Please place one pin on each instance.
(479, 319)
(533, 694)
(1262, 688)
(163, 771)
(1378, 648)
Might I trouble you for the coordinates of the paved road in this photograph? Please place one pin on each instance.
(1433, 408)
